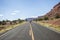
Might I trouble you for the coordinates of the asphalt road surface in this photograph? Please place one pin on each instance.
(31, 31)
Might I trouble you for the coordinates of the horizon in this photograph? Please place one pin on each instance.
(22, 9)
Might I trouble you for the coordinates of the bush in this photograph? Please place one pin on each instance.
(3, 22)
(0, 22)
(46, 18)
(40, 19)
(57, 16)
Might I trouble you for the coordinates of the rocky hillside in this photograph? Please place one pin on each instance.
(55, 11)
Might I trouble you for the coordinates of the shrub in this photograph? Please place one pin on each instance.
(57, 16)
(46, 18)
(40, 19)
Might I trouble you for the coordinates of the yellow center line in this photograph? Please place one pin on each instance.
(31, 32)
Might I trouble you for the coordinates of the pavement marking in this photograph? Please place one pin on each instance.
(31, 32)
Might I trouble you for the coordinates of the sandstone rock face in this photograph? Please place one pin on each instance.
(54, 11)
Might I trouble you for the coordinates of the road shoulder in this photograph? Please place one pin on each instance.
(47, 26)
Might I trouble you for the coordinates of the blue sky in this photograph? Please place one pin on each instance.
(14, 9)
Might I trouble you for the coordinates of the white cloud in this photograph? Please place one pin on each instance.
(22, 18)
(1, 15)
(13, 13)
(34, 16)
(16, 11)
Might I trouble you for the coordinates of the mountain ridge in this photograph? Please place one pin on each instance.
(54, 11)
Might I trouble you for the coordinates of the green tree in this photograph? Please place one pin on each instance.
(3, 22)
(14, 21)
(19, 20)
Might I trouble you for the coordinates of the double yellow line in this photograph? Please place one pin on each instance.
(31, 32)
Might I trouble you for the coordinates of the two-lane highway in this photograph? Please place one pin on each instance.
(31, 31)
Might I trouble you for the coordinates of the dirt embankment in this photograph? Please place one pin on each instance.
(53, 22)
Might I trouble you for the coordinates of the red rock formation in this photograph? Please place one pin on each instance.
(55, 11)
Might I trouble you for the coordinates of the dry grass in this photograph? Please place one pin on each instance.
(55, 27)
(4, 28)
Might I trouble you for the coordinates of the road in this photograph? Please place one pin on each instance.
(31, 31)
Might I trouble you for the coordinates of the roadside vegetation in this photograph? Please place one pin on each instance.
(6, 25)
(50, 22)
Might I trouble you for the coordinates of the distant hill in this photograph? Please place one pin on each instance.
(29, 19)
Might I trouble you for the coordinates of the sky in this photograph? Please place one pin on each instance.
(14, 9)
